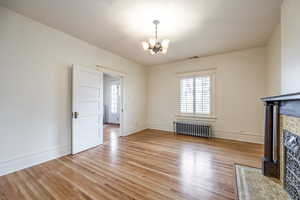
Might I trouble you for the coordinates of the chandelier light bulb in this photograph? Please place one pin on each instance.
(152, 52)
(152, 42)
(165, 44)
(145, 45)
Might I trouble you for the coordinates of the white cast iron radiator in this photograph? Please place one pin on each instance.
(193, 128)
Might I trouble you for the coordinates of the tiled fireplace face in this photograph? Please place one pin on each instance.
(291, 179)
(290, 152)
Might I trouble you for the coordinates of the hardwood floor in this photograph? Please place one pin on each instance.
(148, 165)
(110, 132)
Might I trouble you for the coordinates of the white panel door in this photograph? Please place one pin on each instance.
(87, 127)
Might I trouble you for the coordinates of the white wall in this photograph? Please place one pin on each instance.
(35, 88)
(239, 86)
(290, 30)
(274, 63)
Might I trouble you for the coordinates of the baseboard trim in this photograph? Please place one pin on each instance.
(220, 138)
(29, 160)
(240, 136)
(224, 134)
(159, 131)
(111, 124)
(127, 133)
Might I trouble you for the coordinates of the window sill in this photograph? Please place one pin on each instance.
(186, 116)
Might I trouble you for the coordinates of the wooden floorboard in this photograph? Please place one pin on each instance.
(110, 132)
(148, 165)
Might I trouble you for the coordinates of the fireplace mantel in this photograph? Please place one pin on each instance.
(289, 105)
(285, 97)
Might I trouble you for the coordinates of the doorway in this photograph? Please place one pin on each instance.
(112, 103)
(97, 107)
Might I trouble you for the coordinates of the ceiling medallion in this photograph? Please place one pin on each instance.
(154, 46)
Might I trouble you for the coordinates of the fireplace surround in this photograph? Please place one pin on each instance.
(282, 141)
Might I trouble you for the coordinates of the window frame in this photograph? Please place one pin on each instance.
(212, 75)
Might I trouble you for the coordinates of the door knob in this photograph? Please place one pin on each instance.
(76, 114)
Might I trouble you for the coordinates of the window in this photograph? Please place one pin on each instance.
(195, 96)
(114, 98)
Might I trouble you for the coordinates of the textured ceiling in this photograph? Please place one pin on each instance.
(194, 27)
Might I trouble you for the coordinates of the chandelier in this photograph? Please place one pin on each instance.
(154, 46)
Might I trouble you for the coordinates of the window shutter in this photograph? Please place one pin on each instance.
(195, 95)
(202, 95)
(187, 95)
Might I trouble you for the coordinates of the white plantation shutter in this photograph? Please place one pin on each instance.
(187, 95)
(195, 95)
(202, 95)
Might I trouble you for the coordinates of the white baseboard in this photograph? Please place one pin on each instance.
(243, 136)
(29, 160)
(161, 126)
(134, 130)
(240, 136)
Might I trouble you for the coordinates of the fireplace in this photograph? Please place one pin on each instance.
(291, 176)
(282, 141)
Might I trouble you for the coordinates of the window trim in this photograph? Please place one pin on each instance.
(212, 74)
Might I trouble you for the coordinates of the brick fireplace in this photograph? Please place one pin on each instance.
(282, 141)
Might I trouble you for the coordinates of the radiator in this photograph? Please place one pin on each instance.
(193, 128)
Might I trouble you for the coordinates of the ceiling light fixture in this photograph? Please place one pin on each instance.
(154, 45)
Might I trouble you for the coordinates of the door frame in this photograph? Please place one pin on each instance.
(121, 103)
(121, 75)
(112, 72)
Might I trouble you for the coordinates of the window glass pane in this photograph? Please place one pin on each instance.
(186, 95)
